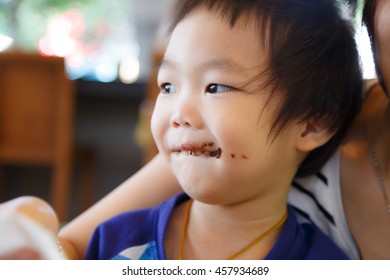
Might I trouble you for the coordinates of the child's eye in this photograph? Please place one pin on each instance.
(167, 88)
(216, 88)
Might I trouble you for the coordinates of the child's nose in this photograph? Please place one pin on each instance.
(186, 113)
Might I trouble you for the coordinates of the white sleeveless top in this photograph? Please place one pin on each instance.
(318, 198)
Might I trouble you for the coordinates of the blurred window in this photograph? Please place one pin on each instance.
(97, 37)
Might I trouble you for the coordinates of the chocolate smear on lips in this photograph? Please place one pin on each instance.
(217, 153)
(196, 149)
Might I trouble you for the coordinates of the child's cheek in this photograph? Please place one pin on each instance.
(158, 126)
(234, 147)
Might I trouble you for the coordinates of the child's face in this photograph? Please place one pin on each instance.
(210, 123)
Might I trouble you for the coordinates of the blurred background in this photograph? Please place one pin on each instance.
(109, 50)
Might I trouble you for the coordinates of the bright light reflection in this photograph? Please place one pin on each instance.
(129, 70)
(106, 73)
(63, 34)
(365, 52)
(57, 45)
(5, 42)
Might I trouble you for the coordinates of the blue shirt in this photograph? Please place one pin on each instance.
(140, 235)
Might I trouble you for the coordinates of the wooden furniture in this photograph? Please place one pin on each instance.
(36, 119)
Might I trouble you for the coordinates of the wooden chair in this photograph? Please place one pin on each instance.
(37, 106)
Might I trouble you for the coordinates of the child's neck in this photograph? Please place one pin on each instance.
(222, 232)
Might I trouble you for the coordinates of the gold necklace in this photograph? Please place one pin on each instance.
(378, 173)
(235, 255)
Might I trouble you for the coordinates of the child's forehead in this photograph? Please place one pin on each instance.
(207, 35)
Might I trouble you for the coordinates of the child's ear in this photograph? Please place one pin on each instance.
(315, 133)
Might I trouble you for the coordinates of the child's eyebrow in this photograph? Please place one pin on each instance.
(214, 63)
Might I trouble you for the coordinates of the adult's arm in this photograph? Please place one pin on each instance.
(149, 186)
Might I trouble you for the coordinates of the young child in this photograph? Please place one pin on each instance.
(251, 93)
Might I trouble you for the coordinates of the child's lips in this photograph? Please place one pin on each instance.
(196, 149)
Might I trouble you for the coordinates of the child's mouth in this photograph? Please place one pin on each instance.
(193, 149)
